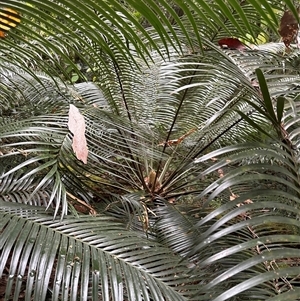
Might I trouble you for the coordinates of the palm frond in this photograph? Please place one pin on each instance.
(266, 200)
(171, 119)
(94, 250)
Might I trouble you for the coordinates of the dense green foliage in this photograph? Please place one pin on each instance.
(191, 187)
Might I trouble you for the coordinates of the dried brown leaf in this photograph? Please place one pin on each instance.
(232, 43)
(76, 125)
(179, 140)
(288, 28)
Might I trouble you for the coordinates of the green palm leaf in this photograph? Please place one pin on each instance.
(90, 251)
(193, 163)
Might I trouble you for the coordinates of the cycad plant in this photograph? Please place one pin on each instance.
(139, 160)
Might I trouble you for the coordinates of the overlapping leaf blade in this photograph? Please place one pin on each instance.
(59, 244)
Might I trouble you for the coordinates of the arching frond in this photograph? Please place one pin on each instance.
(192, 177)
(97, 252)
